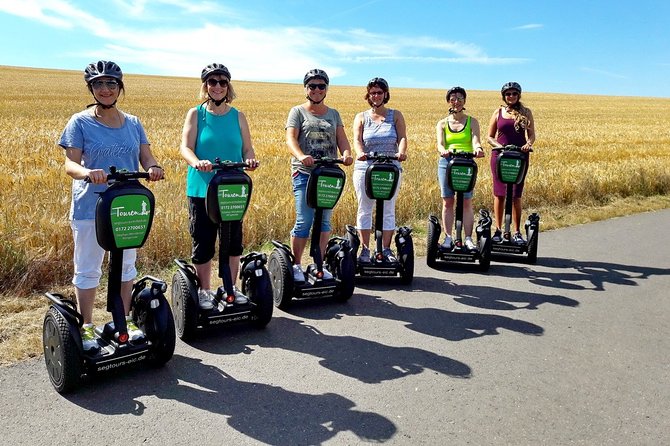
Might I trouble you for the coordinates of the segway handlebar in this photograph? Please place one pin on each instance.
(116, 175)
(326, 161)
(466, 155)
(376, 156)
(227, 165)
(509, 148)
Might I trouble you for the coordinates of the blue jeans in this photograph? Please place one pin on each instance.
(442, 179)
(304, 215)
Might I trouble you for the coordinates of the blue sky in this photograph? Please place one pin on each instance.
(585, 47)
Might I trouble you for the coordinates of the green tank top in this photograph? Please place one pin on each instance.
(218, 136)
(459, 141)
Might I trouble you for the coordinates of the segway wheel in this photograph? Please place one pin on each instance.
(184, 306)
(259, 291)
(532, 248)
(158, 326)
(346, 273)
(432, 240)
(281, 274)
(406, 258)
(61, 354)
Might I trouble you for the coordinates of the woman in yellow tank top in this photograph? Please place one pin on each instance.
(458, 132)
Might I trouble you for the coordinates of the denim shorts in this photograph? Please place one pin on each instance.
(442, 179)
(304, 215)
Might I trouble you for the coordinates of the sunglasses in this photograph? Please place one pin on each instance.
(213, 82)
(376, 93)
(511, 93)
(112, 85)
(457, 99)
(315, 86)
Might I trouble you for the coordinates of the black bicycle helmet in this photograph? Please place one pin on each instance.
(379, 82)
(102, 68)
(214, 68)
(315, 74)
(453, 90)
(510, 86)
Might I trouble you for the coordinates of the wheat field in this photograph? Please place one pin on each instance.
(595, 157)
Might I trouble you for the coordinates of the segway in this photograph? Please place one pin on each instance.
(324, 188)
(512, 169)
(228, 196)
(124, 214)
(461, 177)
(381, 182)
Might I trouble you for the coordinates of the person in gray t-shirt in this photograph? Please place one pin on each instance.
(313, 130)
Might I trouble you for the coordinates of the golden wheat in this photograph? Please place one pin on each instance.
(590, 150)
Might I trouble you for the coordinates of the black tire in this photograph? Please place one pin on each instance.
(485, 253)
(162, 340)
(406, 258)
(281, 275)
(183, 307)
(532, 248)
(354, 244)
(346, 273)
(62, 356)
(259, 291)
(432, 240)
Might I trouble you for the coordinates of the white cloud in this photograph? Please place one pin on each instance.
(529, 26)
(250, 53)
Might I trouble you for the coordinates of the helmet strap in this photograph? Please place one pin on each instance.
(217, 103)
(313, 102)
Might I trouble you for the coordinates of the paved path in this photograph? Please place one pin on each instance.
(573, 350)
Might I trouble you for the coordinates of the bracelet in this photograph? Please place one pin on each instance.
(155, 165)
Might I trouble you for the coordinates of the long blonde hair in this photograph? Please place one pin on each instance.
(520, 114)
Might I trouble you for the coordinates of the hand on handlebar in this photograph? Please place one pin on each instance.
(252, 163)
(307, 160)
(203, 166)
(156, 173)
(347, 160)
(96, 176)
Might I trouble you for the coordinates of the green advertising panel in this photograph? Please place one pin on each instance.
(130, 215)
(509, 170)
(382, 184)
(233, 200)
(461, 176)
(328, 191)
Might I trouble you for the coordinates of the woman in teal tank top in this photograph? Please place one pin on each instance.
(458, 132)
(212, 130)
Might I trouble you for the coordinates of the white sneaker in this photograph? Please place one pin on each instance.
(88, 338)
(447, 243)
(326, 274)
(205, 299)
(469, 244)
(298, 274)
(240, 299)
(134, 332)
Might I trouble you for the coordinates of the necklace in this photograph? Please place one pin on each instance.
(114, 120)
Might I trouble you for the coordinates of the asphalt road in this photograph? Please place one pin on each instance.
(573, 350)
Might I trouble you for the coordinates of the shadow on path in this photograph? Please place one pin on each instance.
(267, 413)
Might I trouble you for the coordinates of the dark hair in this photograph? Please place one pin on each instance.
(379, 82)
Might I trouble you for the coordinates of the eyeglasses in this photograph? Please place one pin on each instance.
(511, 93)
(456, 99)
(315, 86)
(213, 82)
(376, 93)
(112, 85)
